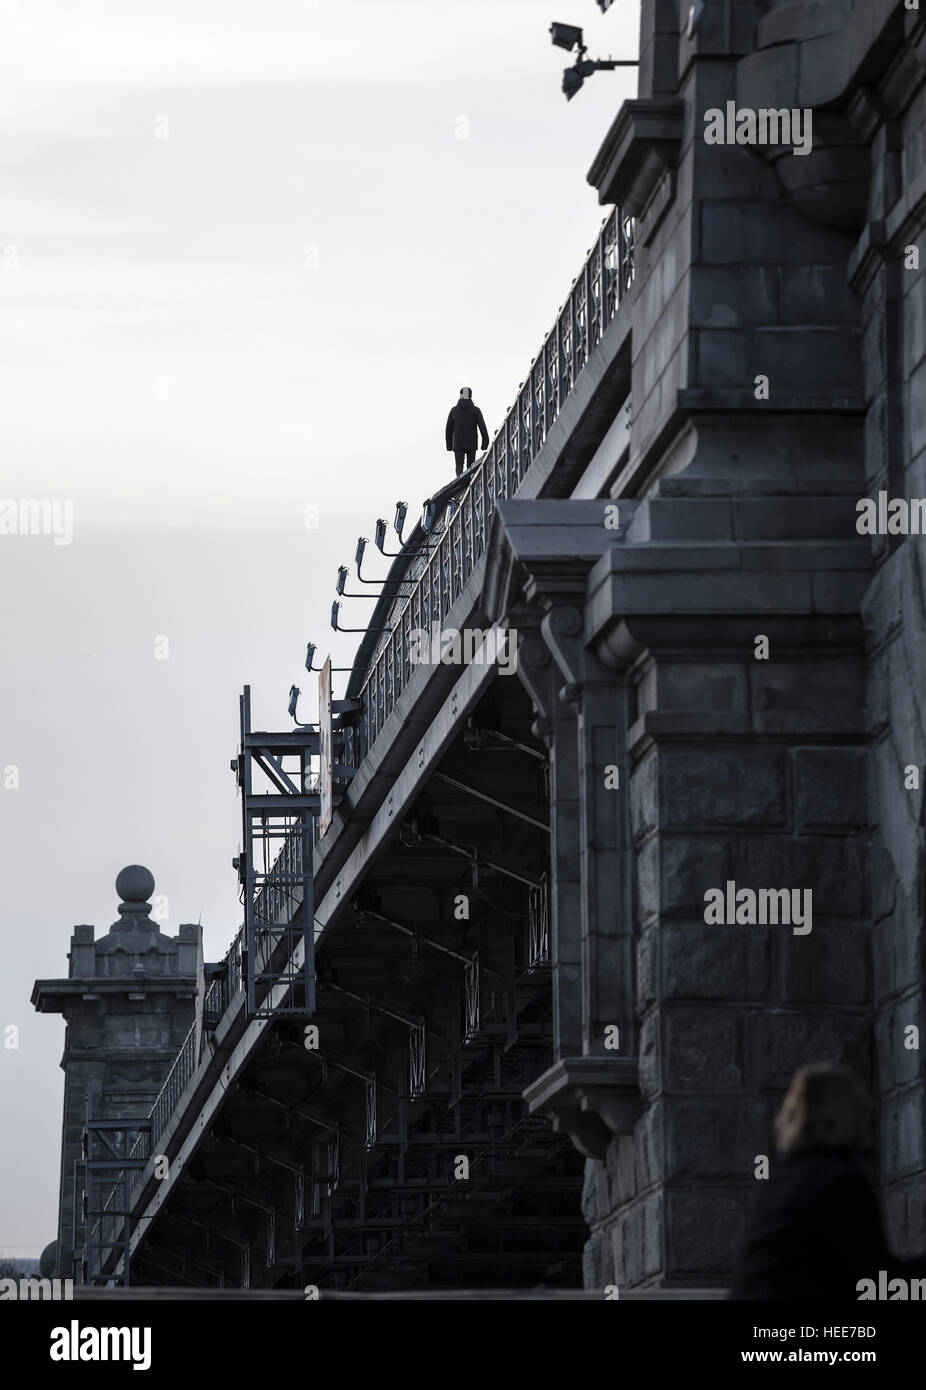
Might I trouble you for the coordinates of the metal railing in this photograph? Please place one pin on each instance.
(538, 917)
(178, 1078)
(593, 301)
(218, 997)
(472, 1012)
(417, 1060)
(142, 1146)
(220, 994)
(370, 1113)
(274, 901)
(225, 985)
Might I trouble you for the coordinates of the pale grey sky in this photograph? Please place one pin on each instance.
(249, 251)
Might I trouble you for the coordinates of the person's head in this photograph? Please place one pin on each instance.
(825, 1108)
(465, 393)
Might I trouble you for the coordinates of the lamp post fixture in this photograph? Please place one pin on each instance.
(569, 37)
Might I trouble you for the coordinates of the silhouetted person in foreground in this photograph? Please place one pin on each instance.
(816, 1231)
(463, 423)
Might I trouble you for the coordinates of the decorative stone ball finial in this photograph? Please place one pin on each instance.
(48, 1261)
(135, 885)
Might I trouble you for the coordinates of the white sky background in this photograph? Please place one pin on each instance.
(170, 360)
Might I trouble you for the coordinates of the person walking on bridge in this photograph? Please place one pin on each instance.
(463, 422)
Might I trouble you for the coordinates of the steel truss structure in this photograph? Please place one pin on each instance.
(110, 1161)
(275, 865)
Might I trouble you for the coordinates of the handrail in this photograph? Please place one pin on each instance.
(593, 301)
(175, 1084)
(218, 997)
(220, 994)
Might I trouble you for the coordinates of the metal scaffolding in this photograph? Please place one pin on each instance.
(275, 866)
(110, 1161)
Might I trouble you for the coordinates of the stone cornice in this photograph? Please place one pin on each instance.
(642, 596)
(130, 1056)
(45, 992)
(543, 550)
(642, 145)
(590, 1098)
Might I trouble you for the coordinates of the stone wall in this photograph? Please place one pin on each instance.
(785, 771)
(892, 290)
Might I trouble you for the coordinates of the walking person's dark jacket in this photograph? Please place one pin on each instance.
(816, 1230)
(463, 423)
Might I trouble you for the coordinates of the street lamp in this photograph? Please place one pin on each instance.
(341, 583)
(380, 543)
(310, 650)
(569, 36)
(335, 610)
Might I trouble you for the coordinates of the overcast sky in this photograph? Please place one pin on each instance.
(249, 252)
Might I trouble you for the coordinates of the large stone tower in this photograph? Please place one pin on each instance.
(129, 1001)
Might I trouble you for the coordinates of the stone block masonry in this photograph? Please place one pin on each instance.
(800, 770)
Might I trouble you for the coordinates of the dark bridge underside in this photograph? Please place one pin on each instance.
(353, 1147)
